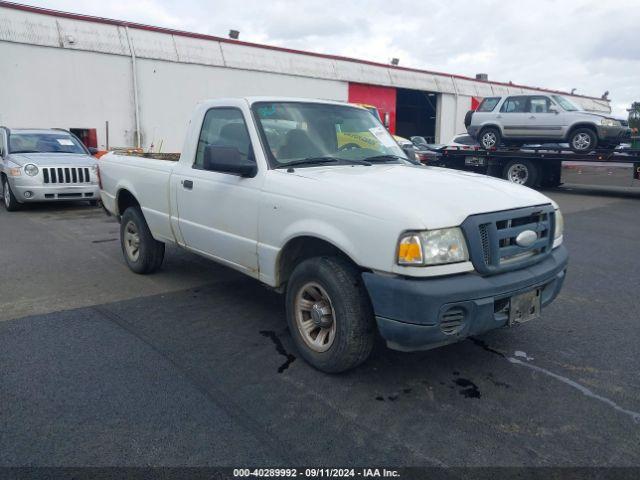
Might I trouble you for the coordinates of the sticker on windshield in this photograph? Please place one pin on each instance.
(65, 141)
(383, 136)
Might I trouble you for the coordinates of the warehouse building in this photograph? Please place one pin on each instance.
(119, 84)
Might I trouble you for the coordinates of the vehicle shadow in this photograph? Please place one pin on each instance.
(58, 206)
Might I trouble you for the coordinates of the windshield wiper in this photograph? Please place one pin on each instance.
(320, 161)
(308, 161)
(386, 158)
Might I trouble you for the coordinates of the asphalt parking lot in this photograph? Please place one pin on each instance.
(194, 366)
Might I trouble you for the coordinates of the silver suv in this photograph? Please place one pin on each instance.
(526, 119)
(45, 166)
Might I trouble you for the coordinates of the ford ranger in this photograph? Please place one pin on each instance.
(360, 238)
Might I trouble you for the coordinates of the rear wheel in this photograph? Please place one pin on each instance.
(489, 138)
(522, 172)
(329, 314)
(142, 252)
(9, 199)
(583, 140)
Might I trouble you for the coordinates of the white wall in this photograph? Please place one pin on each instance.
(54, 87)
(169, 91)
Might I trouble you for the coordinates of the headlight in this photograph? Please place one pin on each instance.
(31, 170)
(559, 229)
(609, 122)
(432, 247)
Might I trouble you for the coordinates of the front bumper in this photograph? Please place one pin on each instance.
(50, 193)
(409, 311)
(613, 134)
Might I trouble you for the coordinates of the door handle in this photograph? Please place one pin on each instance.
(188, 184)
(532, 117)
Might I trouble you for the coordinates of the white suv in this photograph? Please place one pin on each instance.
(526, 119)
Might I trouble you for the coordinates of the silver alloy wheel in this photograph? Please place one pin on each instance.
(489, 140)
(518, 173)
(6, 194)
(132, 241)
(315, 317)
(581, 141)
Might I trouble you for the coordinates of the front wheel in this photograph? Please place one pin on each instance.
(329, 314)
(9, 199)
(521, 172)
(142, 252)
(583, 140)
(489, 138)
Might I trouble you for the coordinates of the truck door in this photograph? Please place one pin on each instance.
(513, 117)
(217, 211)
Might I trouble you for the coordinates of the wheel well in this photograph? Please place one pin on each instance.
(590, 126)
(125, 200)
(299, 249)
(491, 125)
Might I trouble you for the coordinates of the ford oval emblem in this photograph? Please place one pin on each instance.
(526, 238)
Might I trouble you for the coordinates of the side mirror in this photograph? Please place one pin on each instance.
(228, 160)
(93, 150)
(553, 109)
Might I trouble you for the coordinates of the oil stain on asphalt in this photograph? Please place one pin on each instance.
(469, 389)
(280, 349)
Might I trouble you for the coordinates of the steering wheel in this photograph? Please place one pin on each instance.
(348, 146)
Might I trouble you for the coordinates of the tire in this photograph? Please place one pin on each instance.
(341, 303)
(489, 138)
(8, 198)
(521, 172)
(134, 232)
(583, 140)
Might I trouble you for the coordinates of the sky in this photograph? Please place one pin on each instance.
(589, 45)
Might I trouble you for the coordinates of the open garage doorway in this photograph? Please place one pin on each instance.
(416, 114)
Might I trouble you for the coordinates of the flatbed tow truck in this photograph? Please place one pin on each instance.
(546, 166)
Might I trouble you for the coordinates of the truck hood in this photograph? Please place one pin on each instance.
(425, 197)
(53, 159)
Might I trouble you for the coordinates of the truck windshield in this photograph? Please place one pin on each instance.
(295, 132)
(44, 143)
(565, 104)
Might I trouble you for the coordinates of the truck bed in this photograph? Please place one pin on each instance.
(172, 157)
(148, 178)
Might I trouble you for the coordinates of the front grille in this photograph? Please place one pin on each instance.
(63, 175)
(451, 320)
(492, 238)
(484, 238)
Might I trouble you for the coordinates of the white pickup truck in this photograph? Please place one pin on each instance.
(316, 199)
